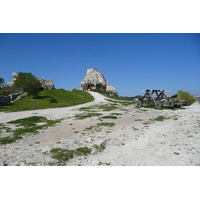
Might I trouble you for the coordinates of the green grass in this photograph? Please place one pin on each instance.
(26, 126)
(138, 120)
(65, 154)
(87, 115)
(108, 117)
(107, 107)
(116, 114)
(64, 99)
(109, 124)
(159, 118)
(99, 148)
(89, 128)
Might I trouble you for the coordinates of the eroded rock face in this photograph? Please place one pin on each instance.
(96, 80)
(47, 84)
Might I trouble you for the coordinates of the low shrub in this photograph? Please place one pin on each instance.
(53, 100)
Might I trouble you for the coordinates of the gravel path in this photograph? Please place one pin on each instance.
(136, 139)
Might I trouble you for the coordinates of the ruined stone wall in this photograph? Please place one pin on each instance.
(4, 100)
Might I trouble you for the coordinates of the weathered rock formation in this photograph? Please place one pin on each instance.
(96, 80)
(46, 84)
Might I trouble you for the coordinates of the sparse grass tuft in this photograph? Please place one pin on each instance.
(138, 120)
(27, 125)
(107, 124)
(86, 115)
(99, 148)
(65, 154)
(116, 114)
(159, 118)
(108, 117)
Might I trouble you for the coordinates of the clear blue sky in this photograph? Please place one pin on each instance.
(130, 62)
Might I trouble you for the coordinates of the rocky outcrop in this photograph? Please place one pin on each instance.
(96, 80)
(47, 84)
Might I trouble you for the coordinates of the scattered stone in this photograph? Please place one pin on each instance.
(100, 142)
(89, 140)
(3, 164)
(32, 160)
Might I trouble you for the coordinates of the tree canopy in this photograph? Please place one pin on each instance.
(185, 96)
(1, 80)
(28, 82)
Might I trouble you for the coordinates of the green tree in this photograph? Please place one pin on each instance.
(185, 96)
(1, 80)
(28, 82)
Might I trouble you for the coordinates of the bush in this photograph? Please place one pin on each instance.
(53, 100)
(186, 96)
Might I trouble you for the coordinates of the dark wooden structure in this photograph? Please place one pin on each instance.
(159, 100)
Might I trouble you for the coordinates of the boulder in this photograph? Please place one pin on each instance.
(111, 89)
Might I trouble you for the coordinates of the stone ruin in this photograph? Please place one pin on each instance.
(4, 100)
(96, 80)
(46, 84)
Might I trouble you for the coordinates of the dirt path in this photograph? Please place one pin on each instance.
(135, 139)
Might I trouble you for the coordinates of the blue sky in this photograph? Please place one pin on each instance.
(130, 62)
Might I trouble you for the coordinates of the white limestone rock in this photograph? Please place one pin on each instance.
(96, 80)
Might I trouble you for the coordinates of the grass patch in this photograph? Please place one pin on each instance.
(160, 118)
(86, 109)
(138, 120)
(107, 107)
(99, 148)
(29, 121)
(87, 115)
(65, 154)
(76, 132)
(147, 123)
(89, 128)
(116, 114)
(107, 124)
(108, 117)
(44, 100)
(27, 125)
